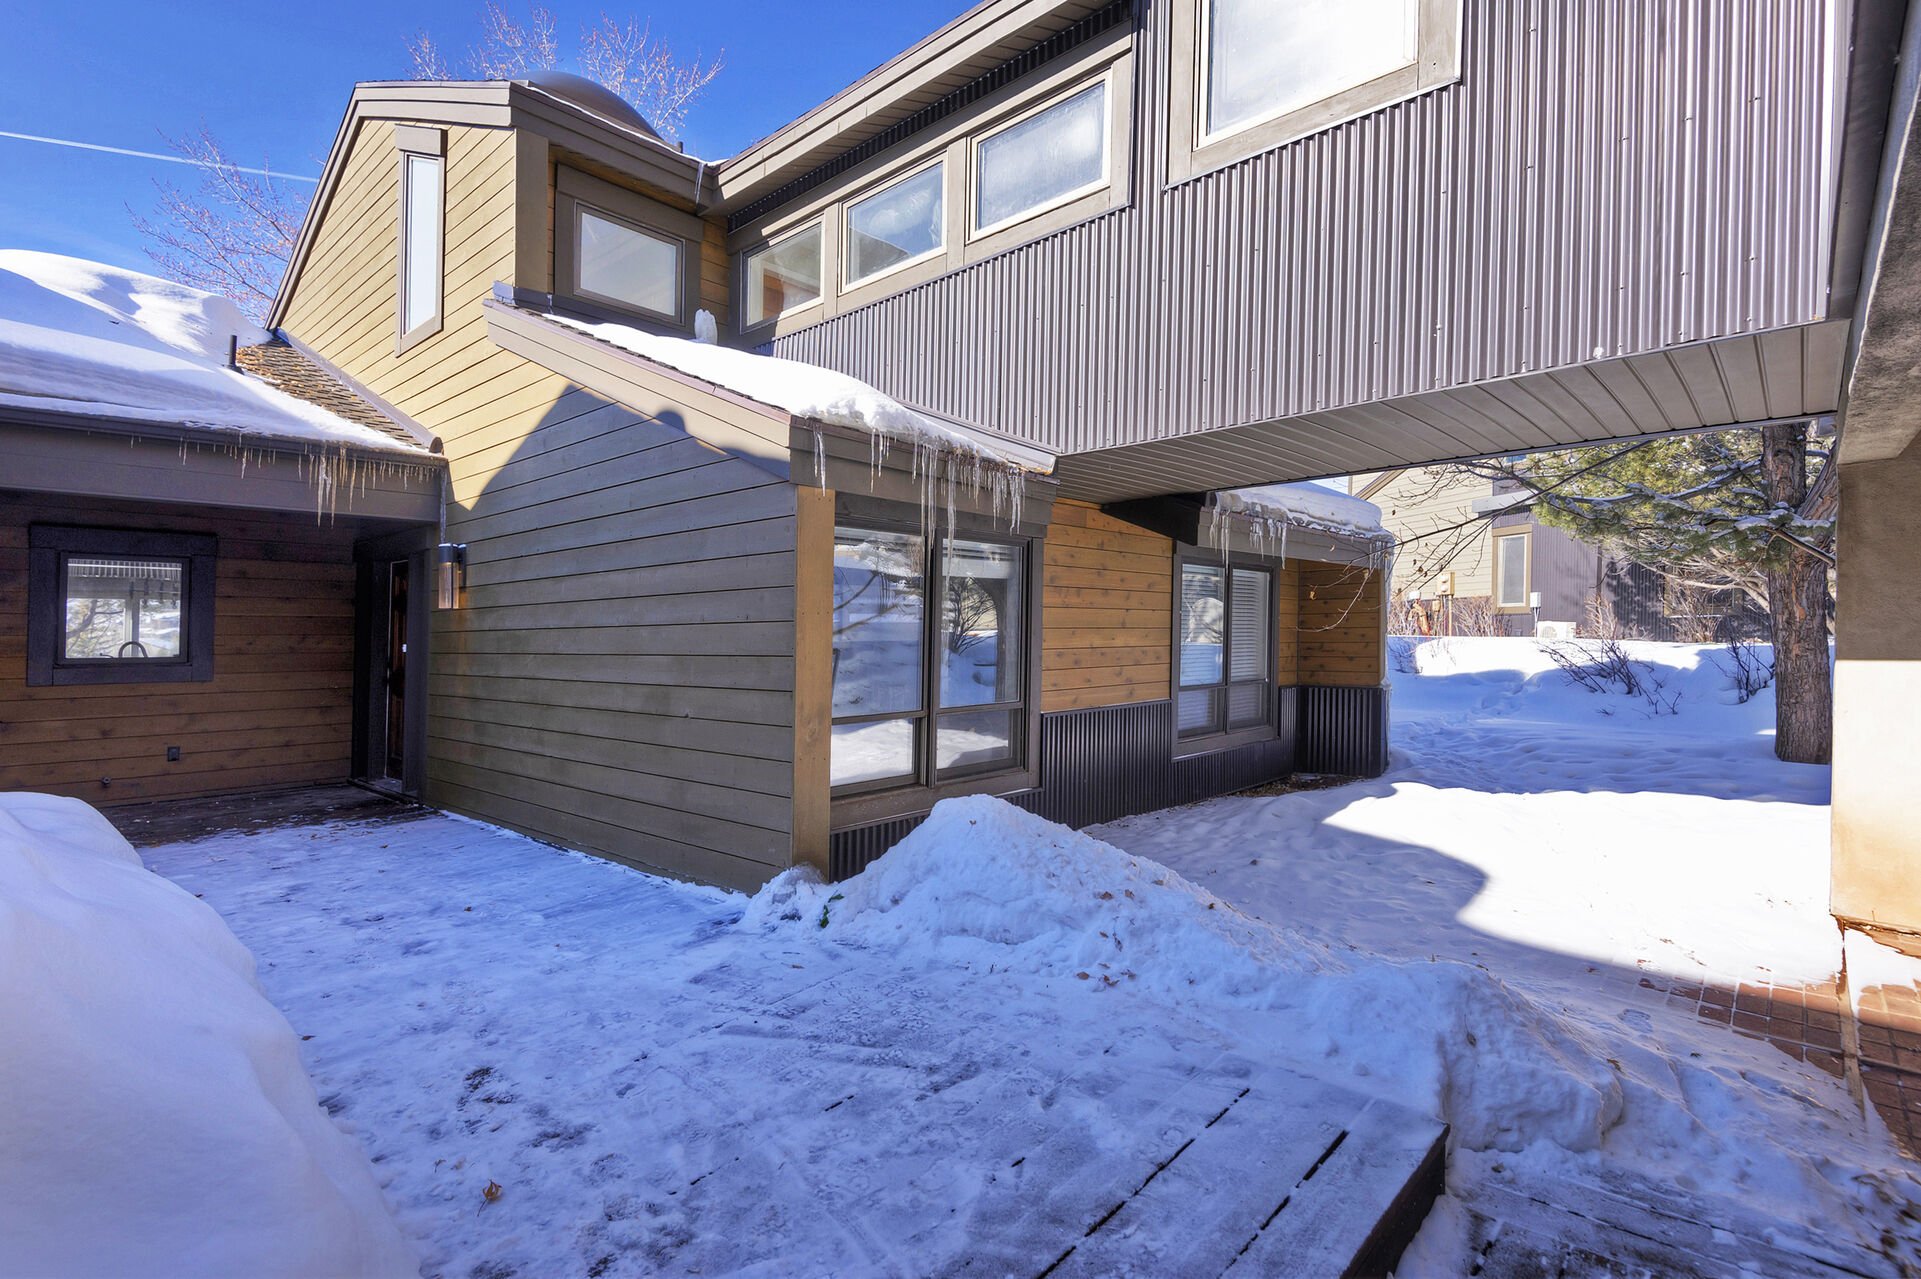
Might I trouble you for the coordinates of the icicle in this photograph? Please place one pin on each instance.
(820, 461)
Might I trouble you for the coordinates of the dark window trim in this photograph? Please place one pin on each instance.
(48, 545)
(1225, 738)
(861, 802)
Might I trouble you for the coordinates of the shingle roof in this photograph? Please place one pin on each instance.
(287, 368)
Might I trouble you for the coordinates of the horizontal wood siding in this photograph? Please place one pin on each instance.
(1342, 627)
(344, 303)
(1430, 511)
(278, 710)
(1106, 611)
(620, 676)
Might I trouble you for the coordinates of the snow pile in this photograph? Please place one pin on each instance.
(82, 337)
(983, 883)
(157, 1118)
(1309, 505)
(809, 391)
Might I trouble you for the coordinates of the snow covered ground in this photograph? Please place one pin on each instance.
(560, 1065)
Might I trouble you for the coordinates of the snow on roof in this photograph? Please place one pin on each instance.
(1313, 505)
(80, 337)
(809, 391)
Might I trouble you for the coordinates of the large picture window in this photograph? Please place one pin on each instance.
(626, 265)
(107, 606)
(1259, 75)
(929, 669)
(1042, 160)
(1264, 60)
(1226, 619)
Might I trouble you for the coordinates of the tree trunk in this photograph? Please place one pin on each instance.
(1798, 606)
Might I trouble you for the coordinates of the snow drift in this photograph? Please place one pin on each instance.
(984, 882)
(83, 337)
(157, 1117)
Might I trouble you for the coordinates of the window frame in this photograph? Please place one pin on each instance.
(1192, 151)
(1521, 535)
(847, 284)
(816, 224)
(417, 142)
(574, 192)
(855, 802)
(1227, 735)
(978, 231)
(48, 548)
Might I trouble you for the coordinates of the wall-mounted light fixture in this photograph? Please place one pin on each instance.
(450, 574)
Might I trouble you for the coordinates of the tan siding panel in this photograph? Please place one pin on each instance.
(1106, 611)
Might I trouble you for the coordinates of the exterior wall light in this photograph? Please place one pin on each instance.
(450, 574)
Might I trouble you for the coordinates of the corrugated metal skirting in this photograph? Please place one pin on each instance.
(1114, 761)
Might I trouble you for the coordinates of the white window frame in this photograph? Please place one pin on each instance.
(976, 231)
(817, 225)
(415, 142)
(1193, 151)
(1524, 537)
(847, 282)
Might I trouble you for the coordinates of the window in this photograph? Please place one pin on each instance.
(920, 698)
(626, 265)
(1263, 74)
(1042, 160)
(106, 606)
(1226, 648)
(1511, 570)
(620, 251)
(783, 276)
(1264, 60)
(421, 202)
(897, 226)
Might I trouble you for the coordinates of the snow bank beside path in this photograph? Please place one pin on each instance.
(157, 1119)
(83, 337)
(982, 883)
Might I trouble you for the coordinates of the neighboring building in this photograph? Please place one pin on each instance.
(1471, 560)
(1086, 265)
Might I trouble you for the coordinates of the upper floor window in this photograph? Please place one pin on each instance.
(783, 276)
(1044, 159)
(423, 204)
(626, 265)
(898, 225)
(1264, 74)
(619, 249)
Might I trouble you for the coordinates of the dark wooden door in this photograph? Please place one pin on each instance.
(396, 670)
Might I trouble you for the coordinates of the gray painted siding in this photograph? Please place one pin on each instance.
(1606, 179)
(620, 675)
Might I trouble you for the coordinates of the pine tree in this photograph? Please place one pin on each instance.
(1749, 509)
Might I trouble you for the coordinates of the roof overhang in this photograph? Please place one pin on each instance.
(797, 449)
(1747, 380)
(970, 46)
(93, 456)
(496, 104)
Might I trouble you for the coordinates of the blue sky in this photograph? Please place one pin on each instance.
(271, 82)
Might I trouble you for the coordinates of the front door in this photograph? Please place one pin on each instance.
(394, 703)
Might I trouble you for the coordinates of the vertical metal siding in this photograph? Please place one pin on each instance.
(1110, 762)
(1605, 179)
